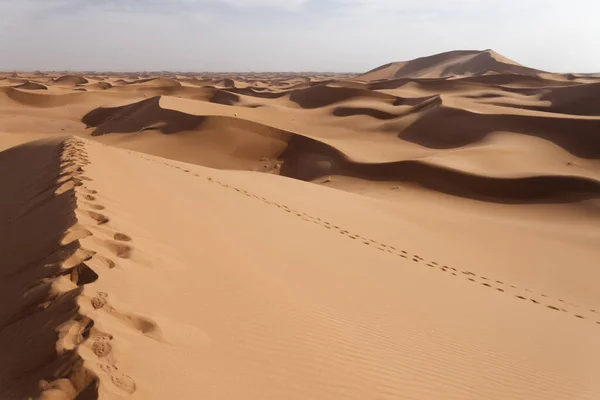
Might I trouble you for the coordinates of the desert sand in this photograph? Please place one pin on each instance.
(426, 230)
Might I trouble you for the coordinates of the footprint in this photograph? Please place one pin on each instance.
(102, 262)
(101, 348)
(122, 237)
(145, 326)
(100, 219)
(98, 302)
(96, 206)
(89, 197)
(120, 380)
(119, 249)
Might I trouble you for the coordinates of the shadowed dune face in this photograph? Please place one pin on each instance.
(575, 100)
(33, 311)
(32, 86)
(137, 117)
(321, 96)
(73, 80)
(446, 128)
(307, 159)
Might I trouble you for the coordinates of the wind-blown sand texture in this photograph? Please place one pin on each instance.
(427, 230)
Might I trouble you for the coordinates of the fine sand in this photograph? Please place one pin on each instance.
(427, 230)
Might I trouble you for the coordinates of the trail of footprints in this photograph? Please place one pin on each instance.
(558, 305)
(75, 159)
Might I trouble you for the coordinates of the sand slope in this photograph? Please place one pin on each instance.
(316, 300)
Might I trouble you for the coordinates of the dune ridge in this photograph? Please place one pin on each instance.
(44, 275)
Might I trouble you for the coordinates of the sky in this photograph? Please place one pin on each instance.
(291, 35)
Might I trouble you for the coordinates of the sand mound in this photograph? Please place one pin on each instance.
(323, 95)
(146, 114)
(577, 100)
(70, 80)
(450, 64)
(39, 98)
(226, 83)
(308, 159)
(32, 86)
(156, 83)
(445, 127)
(99, 86)
(213, 140)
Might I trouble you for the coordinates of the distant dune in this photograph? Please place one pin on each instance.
(426, 230)
(32, 86)
(70, 80)
(450, 64)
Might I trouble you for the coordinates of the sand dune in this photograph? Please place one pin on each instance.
(427, 230)
(450, 64)
(69, 80)
(300, 341)
(99, 85)
(32, 86)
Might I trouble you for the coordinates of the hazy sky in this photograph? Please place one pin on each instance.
(291, 35)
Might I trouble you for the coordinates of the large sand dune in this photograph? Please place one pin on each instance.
(427, 230)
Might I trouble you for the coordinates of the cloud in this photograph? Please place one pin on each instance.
(342, 35)
(147, 6)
